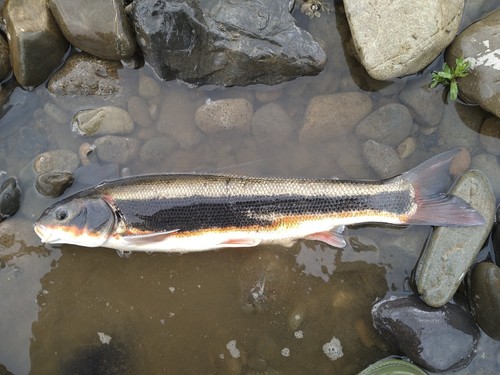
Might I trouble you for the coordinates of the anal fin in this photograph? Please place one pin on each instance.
(239, 242)
(333, 237)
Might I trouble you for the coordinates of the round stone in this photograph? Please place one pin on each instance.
(102, 121)
(225, 114)
(53, 184)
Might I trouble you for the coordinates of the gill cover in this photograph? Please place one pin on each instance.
(79, 221)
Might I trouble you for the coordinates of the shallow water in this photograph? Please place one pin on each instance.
(264, 310)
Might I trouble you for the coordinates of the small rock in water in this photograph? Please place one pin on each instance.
(149, 87)
(116, 149)
(56, 161)
(484, 297)
(224, 114)
(156, 149)
(53, 184)
(488, 164)
(442, 339)
(10, 198)
(451, 251)
(490, 135)
(102, 121)
(272, 125)
(140, 111)
(383, 159)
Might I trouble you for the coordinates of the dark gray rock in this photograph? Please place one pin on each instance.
(37, 46)
(438, 340)
(4, 59)
(53, 184)
(100, 28)
(238, 42)
(484, 297)
(10, 198)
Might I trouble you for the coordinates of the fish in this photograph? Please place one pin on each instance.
(196, 212)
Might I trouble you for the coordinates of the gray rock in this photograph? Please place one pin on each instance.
(83, 75)
(139, 109)
(479, 44)
(156, 149)
(225, 114)
(4, 59)
(10, 198)
(490, 135)
(426, 103)
(272, 125)
(438, 340)
(417, 33)
(116, 149)
(239, 42)
(484, 292)
(389, 124)
(488, 164)
(149, 87)
(99, 28)
(102, 121)
(383, 159)
(334, 115)
(53, 184)
(37, 46)
(451, 251)
(56, 161)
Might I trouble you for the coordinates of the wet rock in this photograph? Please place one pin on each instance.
(175, 36)
(99, 28)
(426, 103)
(489, 165)
(102, 121)
(4, 59)
(484, 297)
(37, 47)
(10, 198)
(389, 124)
(383, 159)
(156, 149)
(417, 34)
(334, 115)
(53, 184)
(56, 161)
(225, 114)
(451, 251)
(272, 125)
(139, 110)
(116, 149)
(149, 87)
(392, 366)
(490, 135)
(438, 340)
(83, 75)
(479, 44)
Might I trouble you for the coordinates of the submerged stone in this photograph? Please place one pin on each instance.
(53, 184)
(116, 149)
(10, 198)
(102, 121)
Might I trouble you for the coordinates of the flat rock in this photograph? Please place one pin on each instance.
(480, 45)
(102, 121)
(100, 28)
(451, 251)
(225, 114)
(37, 46)
(394, 38)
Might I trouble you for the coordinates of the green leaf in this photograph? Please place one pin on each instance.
(445, 75)
(453, 90)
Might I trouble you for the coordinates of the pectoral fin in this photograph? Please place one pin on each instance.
(149, 237)
(239, 242)
(334, 237)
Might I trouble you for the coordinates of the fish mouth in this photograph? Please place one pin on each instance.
(44, 233)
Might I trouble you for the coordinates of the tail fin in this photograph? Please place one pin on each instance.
(430, 181)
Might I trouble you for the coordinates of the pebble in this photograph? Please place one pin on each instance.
(102, 121)
(156, 149)
(383, 159)
(272, 125)
(53, 184)
(333, 115)
(139, 110)
(149, 87)
(406, 148)
(389, 124)
(441, 339)
(10, 198)
(116, 149)
(484, 297)
(56, 161)
(224, 114)
(489, 165)
(490, 135)
(451, 251)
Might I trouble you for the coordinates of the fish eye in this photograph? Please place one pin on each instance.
(61, 214)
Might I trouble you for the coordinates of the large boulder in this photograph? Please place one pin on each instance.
(225, 42)
(479, 44)
(394, 38)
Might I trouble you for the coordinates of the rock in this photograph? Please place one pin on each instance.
(236, 40)
(490, 135)
(417, 34)
(438, 340)
(479, 44)
(334, 115)
(156, 149)
(116, 149)
(53, 184)
(4, 59)
(484, 297)
(383, 159)
(272, 125)
(37, 47)
(10, 198)
(406, 148)
(460, 163)
(426, 103)
(488, 164)
(56, 161)
(84, 75)
(102, 121)
(149, 87)
(99, 28)
(451, 251)
(389, 124)
(139, 110)
(225, 114)
(392, 366)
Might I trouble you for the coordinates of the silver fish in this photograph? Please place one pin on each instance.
(194, 212)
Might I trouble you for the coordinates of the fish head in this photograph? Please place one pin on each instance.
(79, 221)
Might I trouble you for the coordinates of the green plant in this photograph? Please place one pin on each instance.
(448, 76)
